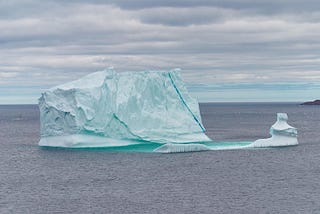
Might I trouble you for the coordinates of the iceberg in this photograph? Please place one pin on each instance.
(282, 134)
(110, 109)
(147, 111)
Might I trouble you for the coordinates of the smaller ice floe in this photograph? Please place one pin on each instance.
(282, 134)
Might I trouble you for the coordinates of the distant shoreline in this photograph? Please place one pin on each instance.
(315, 102)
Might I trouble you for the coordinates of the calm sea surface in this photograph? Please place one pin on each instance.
(277, 180)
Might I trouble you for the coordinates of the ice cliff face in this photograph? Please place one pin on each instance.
(107, 108)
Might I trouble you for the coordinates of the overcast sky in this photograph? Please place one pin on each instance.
(228, 50)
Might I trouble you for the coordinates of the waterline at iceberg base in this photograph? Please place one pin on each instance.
(148, 111)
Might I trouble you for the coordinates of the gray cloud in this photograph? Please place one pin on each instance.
(271, 6)
(184, 16)
(45, 43)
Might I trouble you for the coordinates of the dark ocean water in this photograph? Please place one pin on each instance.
(277, 180)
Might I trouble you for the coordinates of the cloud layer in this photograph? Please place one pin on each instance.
(44, 43)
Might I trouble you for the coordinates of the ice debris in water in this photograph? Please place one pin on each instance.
(282, 134)
(107, 108)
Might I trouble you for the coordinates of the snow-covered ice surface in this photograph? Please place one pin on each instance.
(148, 111)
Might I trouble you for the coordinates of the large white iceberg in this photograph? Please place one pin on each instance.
(282, 134)
(106, 109)
(140, 111)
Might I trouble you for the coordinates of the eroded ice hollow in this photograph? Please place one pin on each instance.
(138, 111)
